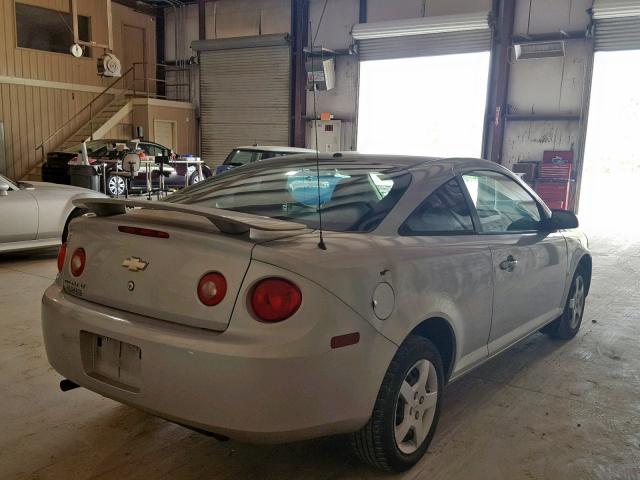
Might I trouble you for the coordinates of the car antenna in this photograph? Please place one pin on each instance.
(321, 243)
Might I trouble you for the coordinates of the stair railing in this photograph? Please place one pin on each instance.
(147, 90)
(90, 107)
(180, 85)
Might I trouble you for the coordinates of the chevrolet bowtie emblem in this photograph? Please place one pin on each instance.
(134, 264)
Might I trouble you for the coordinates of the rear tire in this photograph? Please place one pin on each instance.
(406, 411)
(566, 326)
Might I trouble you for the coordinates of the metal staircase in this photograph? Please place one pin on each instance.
(103, 113)
(93, 129)
(105, 120)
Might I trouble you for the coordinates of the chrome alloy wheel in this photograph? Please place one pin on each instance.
(576, 303)
(116, 185)
(416, 406)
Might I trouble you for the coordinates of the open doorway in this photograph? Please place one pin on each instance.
(432, 106)
(610, 188)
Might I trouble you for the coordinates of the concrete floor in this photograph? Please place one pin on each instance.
(545, 410)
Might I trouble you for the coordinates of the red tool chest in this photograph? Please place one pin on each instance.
(557, 164)
(554, 178)
(555, 193)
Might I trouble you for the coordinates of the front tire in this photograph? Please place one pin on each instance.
(566, 326)
(406, 411)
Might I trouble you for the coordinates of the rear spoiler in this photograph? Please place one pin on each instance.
(226, 221)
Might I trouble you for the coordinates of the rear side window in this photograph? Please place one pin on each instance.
(502, 204)
(150, 149)
(267, 155)
(445, 211)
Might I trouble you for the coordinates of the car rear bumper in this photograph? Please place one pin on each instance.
(224, 382)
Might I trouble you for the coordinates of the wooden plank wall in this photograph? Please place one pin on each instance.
(33, 110)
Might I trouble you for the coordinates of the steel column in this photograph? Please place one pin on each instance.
(160, 71)
(504, 16)
(299, 34)
(202, 20)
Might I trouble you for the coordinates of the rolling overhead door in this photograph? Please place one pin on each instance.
(244, 93)
(617, 25)
(438, 35)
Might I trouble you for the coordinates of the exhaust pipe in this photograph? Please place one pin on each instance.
(66, 385)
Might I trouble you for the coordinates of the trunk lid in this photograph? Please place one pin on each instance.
(157, 277)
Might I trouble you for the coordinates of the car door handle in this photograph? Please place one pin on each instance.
(509, 264)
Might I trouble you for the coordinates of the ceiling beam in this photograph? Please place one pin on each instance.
(141, 7)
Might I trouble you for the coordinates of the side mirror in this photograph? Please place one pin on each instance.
(4, 189)
(561, 220)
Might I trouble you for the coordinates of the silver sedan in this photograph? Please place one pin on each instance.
(36, 214)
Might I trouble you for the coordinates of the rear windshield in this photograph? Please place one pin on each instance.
(238, 157)
(352, 197)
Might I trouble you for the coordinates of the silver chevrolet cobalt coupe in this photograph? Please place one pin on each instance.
(223, 309)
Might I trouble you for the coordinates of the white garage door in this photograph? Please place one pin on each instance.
(617, 25)
(437, 35)
(244, 93)
(422, 82)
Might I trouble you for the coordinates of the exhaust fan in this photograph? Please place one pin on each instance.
(109, 66)
(525, 51)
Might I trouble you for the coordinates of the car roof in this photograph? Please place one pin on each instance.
(406, 161)
(275, 148)
(400, 162)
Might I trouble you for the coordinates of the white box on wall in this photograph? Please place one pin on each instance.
(329, 135)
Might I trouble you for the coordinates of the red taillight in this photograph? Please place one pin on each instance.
(275, 299)
(61, 255)
(78, 259)
(212, 288)
(145, 232)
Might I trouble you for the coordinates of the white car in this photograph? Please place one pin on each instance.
(37, 214)
(264, 331)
